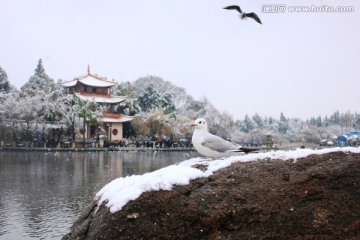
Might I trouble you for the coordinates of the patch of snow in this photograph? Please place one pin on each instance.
(120, 191)
(100, 99)
(69, 83)
(92, 81)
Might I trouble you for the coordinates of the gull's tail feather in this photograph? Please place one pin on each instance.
(247, 150)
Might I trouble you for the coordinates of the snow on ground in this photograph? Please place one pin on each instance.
(122, 190)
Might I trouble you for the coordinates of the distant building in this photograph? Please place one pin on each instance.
(349, 139)
(92, 87)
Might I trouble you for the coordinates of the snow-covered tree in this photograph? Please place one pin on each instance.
(162, 88)
(195, 109)
(89, 112)
(258, 120)
(283, 123)
(335, 118)
(150, 99)
(21, 115)
(9, 114)
(131, 105)
(326, 121)
(319, 121)
(346, 121)
(4, 82)
(357, 122)
(156, 125)
(124, 89)
(40, 81)
(247, 125)
(151, 94)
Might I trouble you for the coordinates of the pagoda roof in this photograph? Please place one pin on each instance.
(116, 118)
(100, 98)
(90, 80)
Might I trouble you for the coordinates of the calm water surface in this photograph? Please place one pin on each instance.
(42, 194)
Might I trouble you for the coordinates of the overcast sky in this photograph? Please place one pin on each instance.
(300, 63)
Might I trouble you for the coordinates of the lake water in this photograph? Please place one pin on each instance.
(42, 194)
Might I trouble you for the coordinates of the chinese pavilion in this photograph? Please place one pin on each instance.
(91, 87)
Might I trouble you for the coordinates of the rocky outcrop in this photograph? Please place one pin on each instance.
(316, 197)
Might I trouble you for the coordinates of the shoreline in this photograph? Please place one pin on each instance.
(113, 149)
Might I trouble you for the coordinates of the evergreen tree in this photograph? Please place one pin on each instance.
(258, 120)
(151, 99)
(283, 124)
(346, 121)
(248, 124)
(312, 121)
(40, 81)
(326, 122)
(124, 89)
(335, 118)
(4, 82)
(282, 117)
(271, 120)
(357, 122)
(319, 122)
(148, 99)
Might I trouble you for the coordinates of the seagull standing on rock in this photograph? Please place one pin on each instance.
(213, 146)
(244, 15)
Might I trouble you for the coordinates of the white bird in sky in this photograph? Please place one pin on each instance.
(242, 14)
(214, 146)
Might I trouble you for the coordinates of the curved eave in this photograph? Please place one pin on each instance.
(100, 99)
(117, 120)
(90, 80)
(69, 83)
(94, 82)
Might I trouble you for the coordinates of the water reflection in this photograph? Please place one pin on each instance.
(42, 194)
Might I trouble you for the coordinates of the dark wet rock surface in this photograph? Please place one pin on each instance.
(317, 197)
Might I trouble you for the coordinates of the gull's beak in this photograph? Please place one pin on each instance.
(193, 125)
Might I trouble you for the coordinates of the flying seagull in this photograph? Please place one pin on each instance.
(242, 14)
(214, 146)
